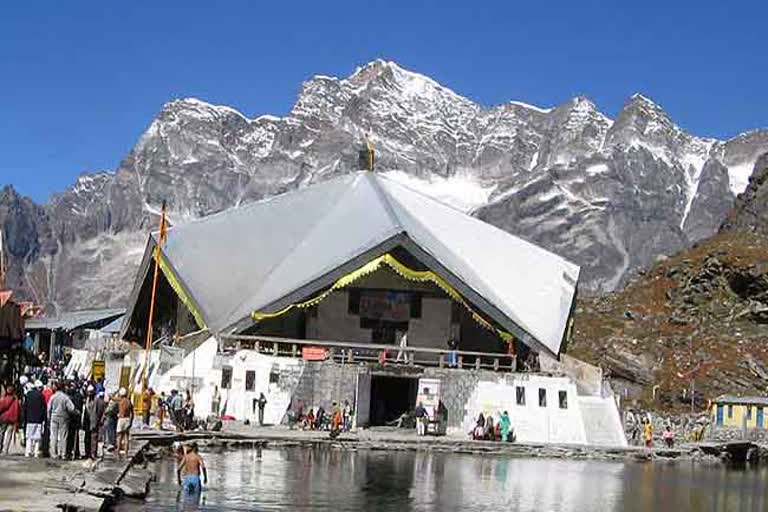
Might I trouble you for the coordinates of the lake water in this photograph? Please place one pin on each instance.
(340, 480)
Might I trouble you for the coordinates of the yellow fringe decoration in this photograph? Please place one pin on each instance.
(403, 271)
(176, 285)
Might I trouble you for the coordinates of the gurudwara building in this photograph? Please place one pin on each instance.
(359, 289)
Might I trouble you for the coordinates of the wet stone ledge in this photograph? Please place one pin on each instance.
(39, 484)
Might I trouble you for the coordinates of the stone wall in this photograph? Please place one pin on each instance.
(758, 435)
(687, 427)
(323, 382)
(457, 389)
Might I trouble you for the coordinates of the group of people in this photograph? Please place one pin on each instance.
(48, 415)
(488, 430)
(177, 406)
(180, 408)
(423, 420)
(338, 420)
(640, 427)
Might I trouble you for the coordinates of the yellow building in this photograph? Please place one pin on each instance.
(740, 411)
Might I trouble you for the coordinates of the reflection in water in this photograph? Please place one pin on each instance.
(339, 480)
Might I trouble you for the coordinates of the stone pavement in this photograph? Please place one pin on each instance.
(37, 484)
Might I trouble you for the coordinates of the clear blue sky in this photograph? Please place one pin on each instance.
(80, 80)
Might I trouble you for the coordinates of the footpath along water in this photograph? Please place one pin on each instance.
(327, 479)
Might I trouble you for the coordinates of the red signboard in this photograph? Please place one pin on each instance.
(314, 354)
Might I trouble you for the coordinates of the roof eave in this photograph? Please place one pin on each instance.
(401, 239)
(321, 282)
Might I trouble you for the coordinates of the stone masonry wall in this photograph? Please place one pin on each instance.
(323, 382)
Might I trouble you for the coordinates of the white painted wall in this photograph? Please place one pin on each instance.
(532, 423)
(201, 371)
(602, 421)
(195, 372)
(239, 402)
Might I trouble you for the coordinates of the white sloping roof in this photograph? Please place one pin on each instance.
(530, 285)
(249, 258)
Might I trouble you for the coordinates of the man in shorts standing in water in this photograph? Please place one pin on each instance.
(124, 421)
(190, 467)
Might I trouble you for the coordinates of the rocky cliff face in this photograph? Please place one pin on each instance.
(27, 236)
(699, 315)
(751, 211)
(610, 195)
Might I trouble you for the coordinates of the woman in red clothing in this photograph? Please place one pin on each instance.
(9, 418)
(47, 393)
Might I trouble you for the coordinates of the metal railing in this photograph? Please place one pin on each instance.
(350, 352)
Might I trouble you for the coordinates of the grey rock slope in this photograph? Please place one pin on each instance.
(609, 194)
(750, 214)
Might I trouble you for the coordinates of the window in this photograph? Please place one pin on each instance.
(415, 305)
(456, 309)
(542, 397)
(563, 399)
(353, 301)
(749, 412)
(730, 411)
(250, 380)
(520, 395)
(226, 377)
(274, 378)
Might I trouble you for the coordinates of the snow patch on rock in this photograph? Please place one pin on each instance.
(738, 176)
(462, 191)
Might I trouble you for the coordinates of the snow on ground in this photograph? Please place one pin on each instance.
(534, 161)
(657, 152)
(594, 170)
(693, 163)
(531, 107)
(461, 191)
(738, 176)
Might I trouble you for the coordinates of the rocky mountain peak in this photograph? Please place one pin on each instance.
(579, 129)
(27, 236)
(645, 123)
(642, 101)
(608, 195)
(8, 193)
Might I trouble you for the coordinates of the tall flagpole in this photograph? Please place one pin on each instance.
(148, 345)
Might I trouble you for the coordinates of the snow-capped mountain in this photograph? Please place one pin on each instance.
(609, 194)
